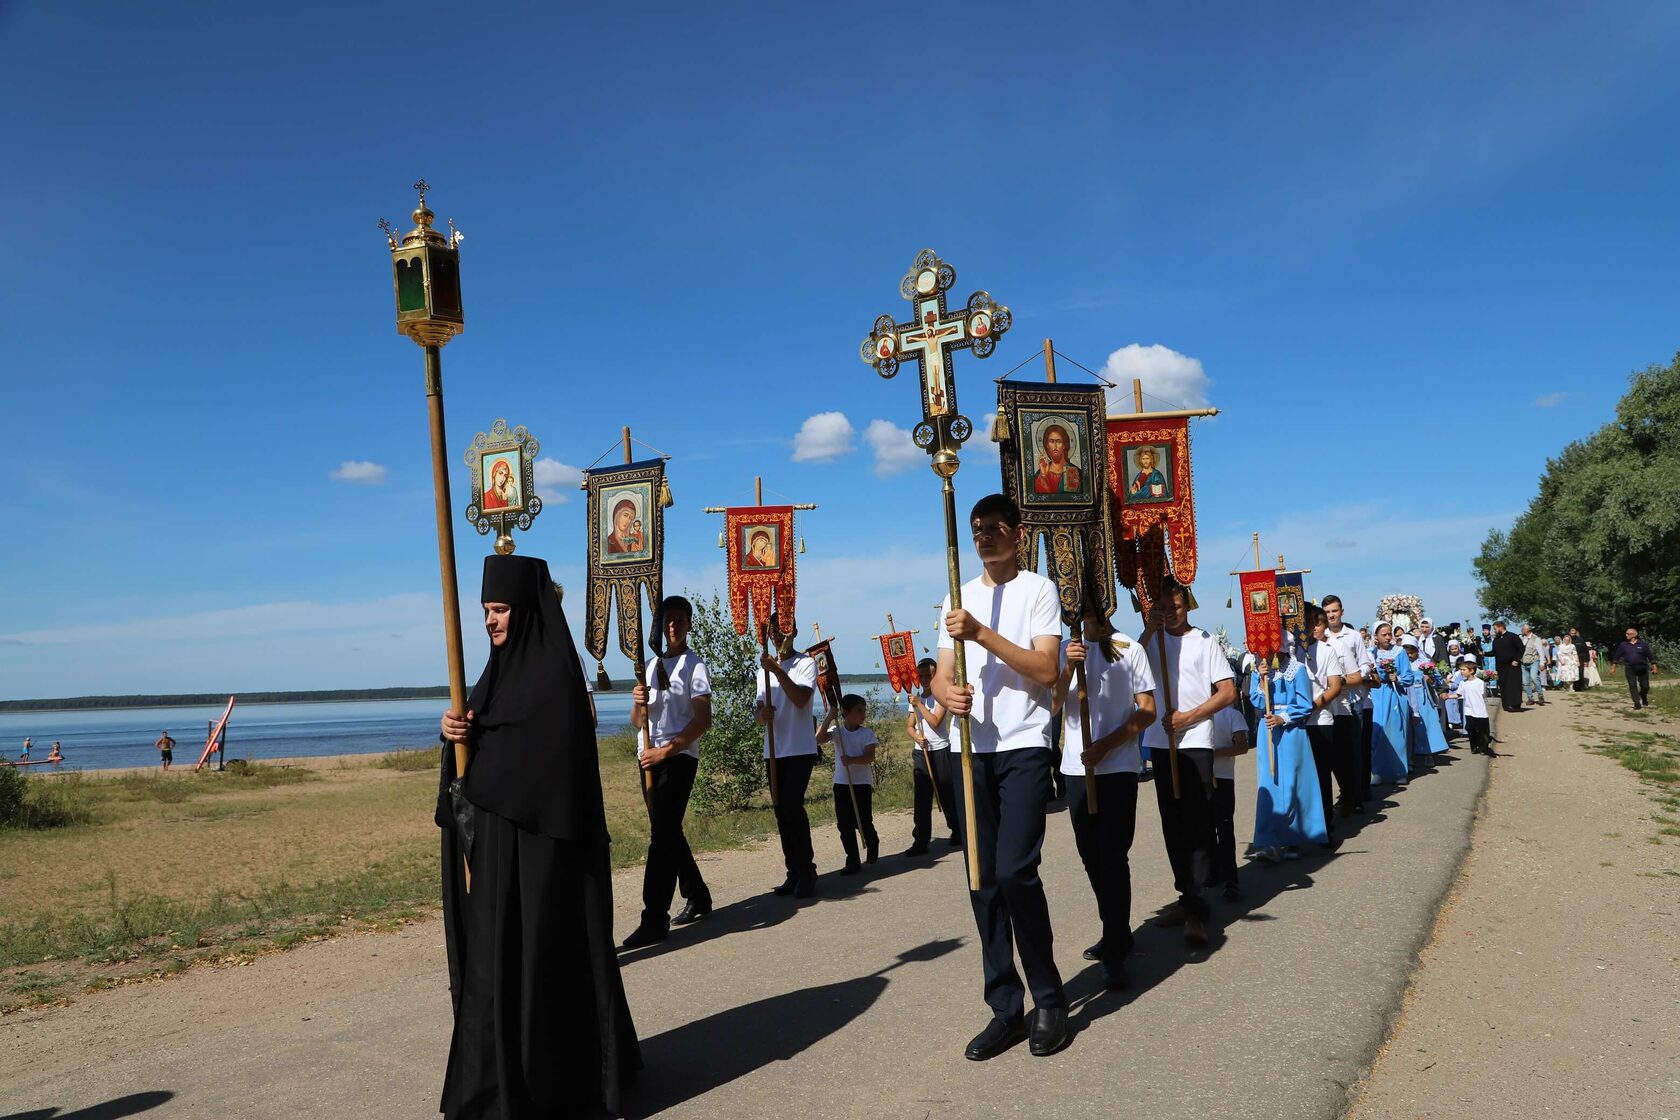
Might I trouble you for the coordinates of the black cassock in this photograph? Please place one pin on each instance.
(542, 1028)
(1508, 647)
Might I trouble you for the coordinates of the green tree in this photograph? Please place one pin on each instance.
(731, 771)
(1599, 546)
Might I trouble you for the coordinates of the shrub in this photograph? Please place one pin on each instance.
(731, 754)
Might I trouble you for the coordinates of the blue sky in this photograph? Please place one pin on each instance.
(1409, 253)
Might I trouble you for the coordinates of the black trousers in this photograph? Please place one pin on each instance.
(849, 823)
(670, 863)
(793, 824)
(1345, 759)
(1365, 754)
(1011, 789)
(1510, 687)
(1224, 868)
(921, 812)
(1104, 840)
(1187, 822)
(1322, 738)
(1639, 684)
(1481, 735)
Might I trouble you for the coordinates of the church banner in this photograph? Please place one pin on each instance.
(1260, 613)
(1292, 606)
(1150, 484)
(626, 534)
(898, 654)
(759, 543)
(828, 675)
(1055, 462)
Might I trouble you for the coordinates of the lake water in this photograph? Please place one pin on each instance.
(116, 737)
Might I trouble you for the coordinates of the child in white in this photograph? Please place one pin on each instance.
(854, 780)
(787, 685)
(1230, 739)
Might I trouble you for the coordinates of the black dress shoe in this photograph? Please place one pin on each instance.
(914, 850)
(691, 912)
(1114, 977)
(999, 1035)
(1094, 953)
(806, 885)
(955, 841)
(852, 867)
(645, 934)
(872, 850)
(1049, 1031)
(787, 886)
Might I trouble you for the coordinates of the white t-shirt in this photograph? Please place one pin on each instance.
(1198, 664)
(936, 737)
(1110, 687)
(1227, 724)
(853, 743)
(1010, 711)
(672, 709)
(1352, 654)
(1323, 663)
(796, 731)
(1473, 693)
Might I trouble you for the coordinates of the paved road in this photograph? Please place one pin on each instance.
(857, 1004)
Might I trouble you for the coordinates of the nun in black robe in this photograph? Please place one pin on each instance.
(542, 1028)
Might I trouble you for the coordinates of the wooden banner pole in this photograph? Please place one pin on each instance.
(770, 722)
(959, 678)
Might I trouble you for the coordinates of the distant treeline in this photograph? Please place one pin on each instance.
(215, 699)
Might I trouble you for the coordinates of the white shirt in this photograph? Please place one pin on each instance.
(1473, 694)
(1010, 711)
(853, 743)
(796, 731)
(672, 709)
(1110, 687)
(1227, 725)
(937, 739)
(1351, 652)
(1322, 663)
(1198, 664)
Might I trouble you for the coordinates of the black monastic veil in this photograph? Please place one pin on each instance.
(541, 1023)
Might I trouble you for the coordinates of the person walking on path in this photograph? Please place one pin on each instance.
(1590, 677)
(1581, 658)
(1568, 664)
(1634, 655)
(166, 749)
(1533, 659)
(1507, 658)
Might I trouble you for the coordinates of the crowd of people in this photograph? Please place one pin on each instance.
(1339, 712)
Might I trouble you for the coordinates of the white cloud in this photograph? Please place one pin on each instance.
(823, 438)
(556, 481)
(1174, 380)
(359, 471)
(1550, 400)
(895, 453)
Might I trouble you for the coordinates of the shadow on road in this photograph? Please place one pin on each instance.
(709, 1053)
(131, 1105)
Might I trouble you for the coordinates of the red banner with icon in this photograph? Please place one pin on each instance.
(1150, 484)
(898, 654)
(758, 541)
(1261, 619)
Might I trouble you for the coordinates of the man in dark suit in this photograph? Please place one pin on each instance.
(1507, 659)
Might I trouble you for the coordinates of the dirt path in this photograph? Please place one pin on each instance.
(1551, 987)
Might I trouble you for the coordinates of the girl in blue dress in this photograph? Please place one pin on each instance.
(1390, 709)
(1289, 810)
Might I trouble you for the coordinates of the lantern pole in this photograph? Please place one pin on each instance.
(427, 279)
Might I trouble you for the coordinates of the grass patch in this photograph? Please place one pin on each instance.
(159, 871)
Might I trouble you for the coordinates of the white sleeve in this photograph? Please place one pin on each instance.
(700, 684)
(1047, 612)
(1143, 680)
(804, 672)
(1218, 668)
(945, 639)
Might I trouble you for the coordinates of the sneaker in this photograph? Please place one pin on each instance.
(691, 912)
(1195, 932)
(1173, 914)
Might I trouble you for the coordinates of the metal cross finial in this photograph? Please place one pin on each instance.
(390, 234)
(422, 186)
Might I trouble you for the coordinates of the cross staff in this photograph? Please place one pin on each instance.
(932, 336)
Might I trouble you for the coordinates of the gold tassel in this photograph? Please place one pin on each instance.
(603, 683)
(1000, 428)
(721, 542)
(665, 499)
(801, 546)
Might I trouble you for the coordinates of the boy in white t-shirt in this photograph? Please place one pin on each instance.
(929, 725)
(674, 702)
(787, 683)
(1230, 739)
(1471, 692)
(1199, 684)
(1010, 625)
(854, 780)
(1120, 697)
